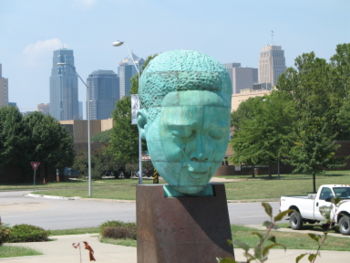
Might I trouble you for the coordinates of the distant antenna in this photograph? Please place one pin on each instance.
(272, 35)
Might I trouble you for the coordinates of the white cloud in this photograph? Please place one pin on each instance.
(39, 52)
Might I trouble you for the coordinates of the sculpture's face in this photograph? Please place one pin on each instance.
(188, 138)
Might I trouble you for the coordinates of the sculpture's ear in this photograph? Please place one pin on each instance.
(142, 123)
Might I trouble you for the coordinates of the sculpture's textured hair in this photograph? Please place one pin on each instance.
(181, 70)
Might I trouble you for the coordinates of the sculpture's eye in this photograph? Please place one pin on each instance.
(217, 133)
(183, 133)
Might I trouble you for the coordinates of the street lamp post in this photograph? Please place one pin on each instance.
(118, 44)
(88, 123)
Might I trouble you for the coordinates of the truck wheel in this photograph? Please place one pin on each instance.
(344, 225)
(295, 220)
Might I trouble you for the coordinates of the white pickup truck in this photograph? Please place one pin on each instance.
(306, 209)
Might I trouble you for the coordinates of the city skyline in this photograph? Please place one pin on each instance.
(229, 31)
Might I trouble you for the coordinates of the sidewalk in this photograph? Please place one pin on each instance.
(61, 250)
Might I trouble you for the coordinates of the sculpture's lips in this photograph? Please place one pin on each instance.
(198, 170)
(197, 174)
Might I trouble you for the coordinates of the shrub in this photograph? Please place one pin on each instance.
(118, 230)
(27, 233)
(4, 234)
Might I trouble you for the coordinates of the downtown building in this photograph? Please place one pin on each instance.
(64, 86)
(242, 78)
(272, 64)
(126, 71)
(4, 95)
(103, 93)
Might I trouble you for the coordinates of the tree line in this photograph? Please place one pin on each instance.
(31, 137)
(302, 120)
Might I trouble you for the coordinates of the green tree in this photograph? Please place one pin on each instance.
(124, 138)
(14, 140)
(262, 128)
(50, 143)
(316, 99)
(102, 137)
(340, 63)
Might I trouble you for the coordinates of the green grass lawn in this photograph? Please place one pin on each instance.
(243, 188)
(292, 240)
(119, 242)
(75, 231)
(263, 187)
(12, 251)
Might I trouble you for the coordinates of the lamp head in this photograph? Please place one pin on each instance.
(117, 43)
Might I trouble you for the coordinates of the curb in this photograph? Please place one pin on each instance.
(53, 197)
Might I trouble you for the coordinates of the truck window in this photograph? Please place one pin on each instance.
(326, 193)
(342, 192)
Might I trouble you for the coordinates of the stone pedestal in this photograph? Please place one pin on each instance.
(181, 229)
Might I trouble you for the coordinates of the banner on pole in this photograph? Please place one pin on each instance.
(135, 106)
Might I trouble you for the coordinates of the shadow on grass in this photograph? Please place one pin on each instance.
(334, 175)
(316, 227)
(277, 178)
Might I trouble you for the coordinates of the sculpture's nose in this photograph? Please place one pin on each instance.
(200, 150)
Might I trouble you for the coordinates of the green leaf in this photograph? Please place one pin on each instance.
(312, 257)
(298, 258)
(258, 234)
(281, 215)
(241, 244)
(268, 208)
(272, 239)
(314, 236)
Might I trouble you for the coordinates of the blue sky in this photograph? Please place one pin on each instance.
(228, 30)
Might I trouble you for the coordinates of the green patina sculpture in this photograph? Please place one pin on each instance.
(185, 112)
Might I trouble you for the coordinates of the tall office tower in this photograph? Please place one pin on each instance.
(4, 93)
(64, 86)
(125, 72)
(103, 93)
(230, 67)
(271, 65)
(243, 78)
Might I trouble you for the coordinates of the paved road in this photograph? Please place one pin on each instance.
(16, 208)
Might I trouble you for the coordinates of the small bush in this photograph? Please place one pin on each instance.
(118, 230)
(27, 233)
(4, 234)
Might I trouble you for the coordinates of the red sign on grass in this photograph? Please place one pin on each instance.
(35, 165)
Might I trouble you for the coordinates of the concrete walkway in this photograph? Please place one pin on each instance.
(61, 250)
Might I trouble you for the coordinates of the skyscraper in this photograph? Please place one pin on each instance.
(230, 66)
(271, 65)
(4, 95)
(125, 71)
(103, 93)
(241, 77)
(64, 86)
